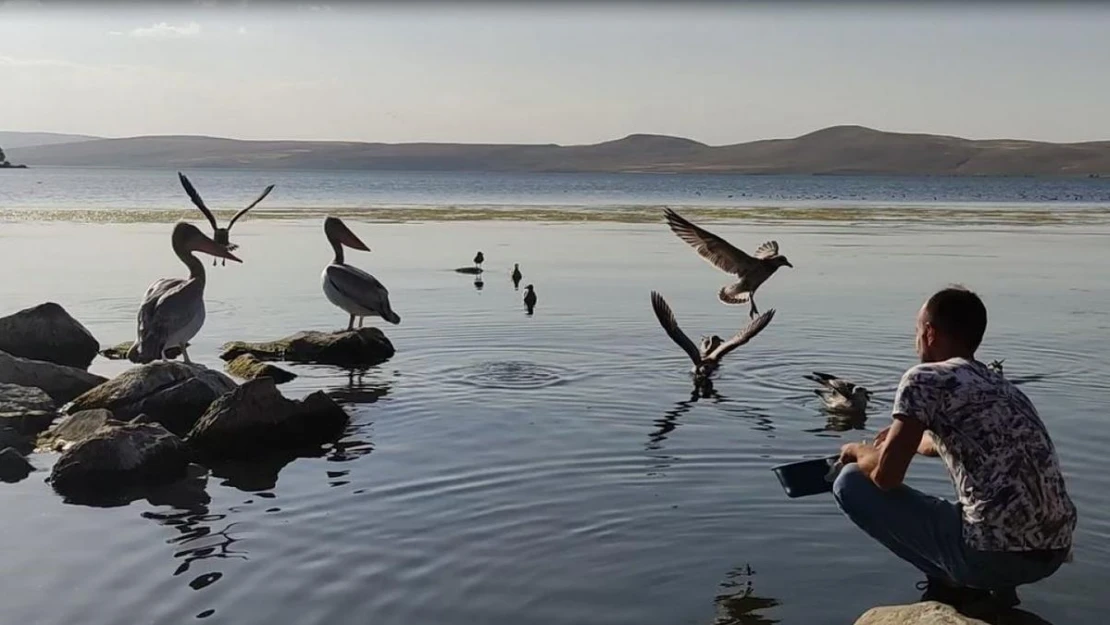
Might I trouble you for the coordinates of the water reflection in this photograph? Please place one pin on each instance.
(740, 605)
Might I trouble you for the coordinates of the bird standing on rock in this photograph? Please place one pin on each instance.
(350, 288)
(752, 270)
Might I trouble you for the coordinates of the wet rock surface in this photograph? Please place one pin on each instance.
(248, 367)
(13, 466)
(173, 394)
(60, 382)
(119, 457)
(48, 333)
(74, 428)
(255, 419)
(119, 351)
(362, 347)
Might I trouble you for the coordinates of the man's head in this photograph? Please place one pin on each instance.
(950, 324)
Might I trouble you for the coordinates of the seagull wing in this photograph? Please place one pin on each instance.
(712, 248)
(670, 326)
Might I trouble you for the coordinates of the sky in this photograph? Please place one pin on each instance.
(569, 73)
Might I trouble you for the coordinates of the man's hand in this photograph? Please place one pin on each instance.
(886, 460)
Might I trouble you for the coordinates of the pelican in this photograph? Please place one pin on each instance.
(516, 275)
(172, 311)
(752, 270)
(840, 396)
(220, 235)
(350, 288)
(529, 298)
(707, 359)
(479, 258)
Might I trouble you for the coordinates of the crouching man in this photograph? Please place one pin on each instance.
(1012, 522)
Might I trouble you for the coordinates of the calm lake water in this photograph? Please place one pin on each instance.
(552, 469)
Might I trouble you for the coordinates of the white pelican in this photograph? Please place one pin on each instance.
(350, 288)
(220, 235)
(172, 311)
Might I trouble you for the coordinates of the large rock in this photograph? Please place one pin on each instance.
(363, 347)
(118, 457)
(119, 351)
(248, 367)
(13, 466)
(74, 428)
(47, 332)
(174, 394)
(11, 437)
(256, 418)
(60, 382)
(26, 409)
(926, 613)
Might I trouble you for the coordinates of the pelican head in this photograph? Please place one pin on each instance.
(338, 232)
(189, 238)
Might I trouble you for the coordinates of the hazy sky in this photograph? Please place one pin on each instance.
(575, 74)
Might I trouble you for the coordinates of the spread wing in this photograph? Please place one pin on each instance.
(833, 383)
(709, 246)
(767, 250)
(195, 197)
(265, 192)
(743, 336)
(670, 326)
(359, 287)
(165, 307)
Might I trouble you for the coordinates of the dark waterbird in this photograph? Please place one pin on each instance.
(219, 235)
(753, 270)
(529, 298)
(516, 276)
(707, 358)
(479, 258)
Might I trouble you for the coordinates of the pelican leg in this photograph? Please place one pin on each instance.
(185, 356)
(360, 318)
(351, 323)
(223, 262)
(214, 261)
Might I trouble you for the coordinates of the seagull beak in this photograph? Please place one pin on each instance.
(787, 263)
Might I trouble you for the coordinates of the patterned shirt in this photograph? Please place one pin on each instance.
(997, 451)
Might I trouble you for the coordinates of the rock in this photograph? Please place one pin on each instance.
(362, 347)
(926, 613)
(60, 382)
(26, 409)
(247, 367)
(256, 418)
(119, 351)
(173, 394)
(13, 466)
(74, 428)
(11, 437)
(47, 332)
(119, 457)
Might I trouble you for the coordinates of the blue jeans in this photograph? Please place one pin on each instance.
(927, 532)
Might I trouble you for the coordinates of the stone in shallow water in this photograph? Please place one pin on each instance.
(119, 351)
(362, 347)
(73, 429)
(48, 333)
(60, 382)
(26, 409)
(118, 457)
(255, 418)
(248, 367)
(13, 466)
(926, 613)
(172, 393)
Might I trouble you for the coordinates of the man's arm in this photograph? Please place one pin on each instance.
(926, 448)
(887, 462)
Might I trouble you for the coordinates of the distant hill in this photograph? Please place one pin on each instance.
(9, 139)
(835, 150)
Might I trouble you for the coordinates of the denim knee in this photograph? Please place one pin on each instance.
(850, 481)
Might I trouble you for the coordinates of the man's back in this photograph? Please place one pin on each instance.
(998, 452)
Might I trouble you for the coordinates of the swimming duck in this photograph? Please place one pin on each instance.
(219, 235)
(358, 293)
(840, 396)
(752, 270)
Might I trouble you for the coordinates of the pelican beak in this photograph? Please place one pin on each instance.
(352, 241)
(208, 246)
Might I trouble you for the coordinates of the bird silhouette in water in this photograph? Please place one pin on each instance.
(219, 235)
(529, 299)
(479, 258)
(478, 282)
(707, 357)
(517, 276)
(752, 270)
(840, 396)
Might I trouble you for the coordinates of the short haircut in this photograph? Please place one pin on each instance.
(958, 312)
